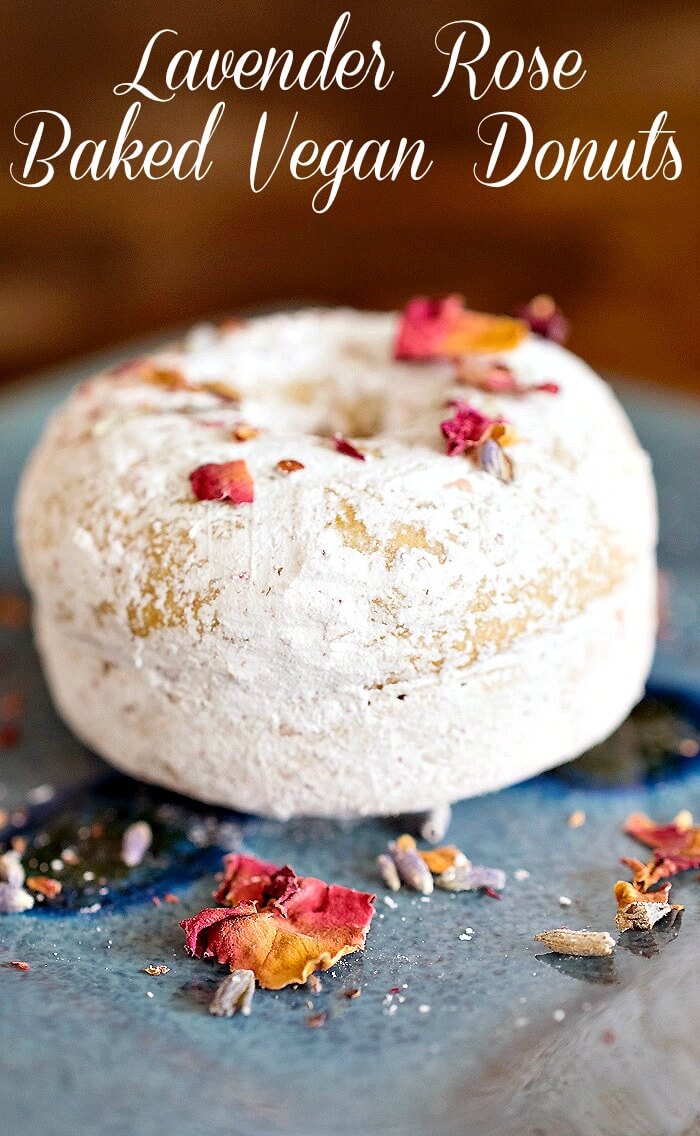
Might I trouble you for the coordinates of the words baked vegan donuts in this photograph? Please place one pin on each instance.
(343, 563)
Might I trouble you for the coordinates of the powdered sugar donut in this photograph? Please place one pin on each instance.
(385, 626)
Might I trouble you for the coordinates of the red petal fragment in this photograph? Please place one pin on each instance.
(224, 481)
(467, 428)
(424, 325)
(544, 318)
(280, 926)
(445, 329)
(676, 845)
(245, 879)
(343, 446)
(497, 378)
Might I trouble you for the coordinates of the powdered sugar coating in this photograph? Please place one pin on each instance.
(365, 637)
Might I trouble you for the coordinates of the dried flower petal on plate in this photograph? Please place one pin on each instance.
(441, 859)
(676, 844)
(279, 925)
(544, 318)
(498, 378)
(645, 876)
(445, 329)
(563, 941)
(640, 910)
(44, 885)
(223, 481)
(343, 446)
(234, 995)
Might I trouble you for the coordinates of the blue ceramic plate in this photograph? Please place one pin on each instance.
(484, 1033)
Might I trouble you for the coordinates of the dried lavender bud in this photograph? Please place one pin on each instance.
(414, 872)
(234, 994)
(135, 843)
(388, 872)
(13, 900)
(434, 824)
(494, 460)
(471, 877)
(566, 942)
(11, 870)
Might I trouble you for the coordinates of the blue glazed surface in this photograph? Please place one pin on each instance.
(84, 1050)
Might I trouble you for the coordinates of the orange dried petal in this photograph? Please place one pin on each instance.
(281, 926)
(440, 859)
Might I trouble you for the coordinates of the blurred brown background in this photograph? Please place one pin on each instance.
(86, 264)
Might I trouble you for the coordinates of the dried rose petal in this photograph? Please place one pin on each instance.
(19, 965)
(280, 926)
(676, 844)
(466, 429)
(289, 465)
(445, 329)
(644, 876)
(497, 378)
(640, 910)
(44, 885)
(440, 859)
(343, 446)
(223, 481)
(544, 318)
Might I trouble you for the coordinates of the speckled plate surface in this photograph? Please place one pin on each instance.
(489, 1034)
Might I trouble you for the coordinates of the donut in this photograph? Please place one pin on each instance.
(341, 563)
